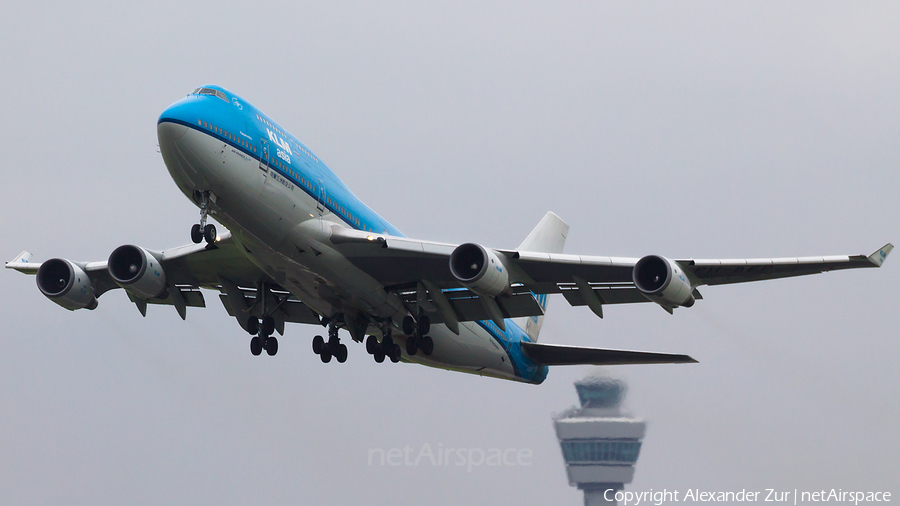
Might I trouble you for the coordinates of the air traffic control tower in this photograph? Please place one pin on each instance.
(600, 443)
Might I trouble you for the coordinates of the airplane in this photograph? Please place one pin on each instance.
(300, 247)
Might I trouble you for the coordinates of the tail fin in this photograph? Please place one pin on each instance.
(549, 236)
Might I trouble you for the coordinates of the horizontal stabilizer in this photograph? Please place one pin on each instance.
(557, 354)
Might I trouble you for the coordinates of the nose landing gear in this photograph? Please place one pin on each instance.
(203, 231)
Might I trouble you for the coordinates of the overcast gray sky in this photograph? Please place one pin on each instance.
(682, 129)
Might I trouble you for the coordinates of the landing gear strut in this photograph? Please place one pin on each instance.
(263, 329)
(202, 230)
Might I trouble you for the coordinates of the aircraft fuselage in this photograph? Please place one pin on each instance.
(281, 202)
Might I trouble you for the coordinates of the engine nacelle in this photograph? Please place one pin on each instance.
(479, 269)
(663, 282)
(136, 270)
(66, 284)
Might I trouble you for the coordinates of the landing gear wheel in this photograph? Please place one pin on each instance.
(427, 345)
(340, 353)
(423, 325)
(379, 355)
(387, 343)
(271, 346)
(196, 233)
(318, 345)
(209, 233)
(411, 347)
(371, 345)
(395, 353)
(268, 324)
(409, 325)
(253, 326)
(325, 356)
(255, 346)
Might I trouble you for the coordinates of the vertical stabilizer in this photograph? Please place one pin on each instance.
(549, 236)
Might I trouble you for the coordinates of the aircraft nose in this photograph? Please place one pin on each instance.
(169, 132)
(183, 111)
(172, 122)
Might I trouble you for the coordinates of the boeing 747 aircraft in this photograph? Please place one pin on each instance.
(300, 247)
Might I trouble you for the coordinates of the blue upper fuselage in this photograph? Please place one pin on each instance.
(236, 122)
(221, 113)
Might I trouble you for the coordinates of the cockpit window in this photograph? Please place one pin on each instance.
(210, 91)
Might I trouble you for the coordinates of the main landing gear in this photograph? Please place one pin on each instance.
(203, 231)
(387, 348)
(417, 331)
(332, 348)
(263, 339)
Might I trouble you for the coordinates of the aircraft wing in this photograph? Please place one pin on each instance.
(405, 264)
(219, 266)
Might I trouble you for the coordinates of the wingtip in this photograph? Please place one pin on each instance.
(22, 263)
(881, 255)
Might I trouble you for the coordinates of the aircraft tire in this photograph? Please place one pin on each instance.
(423, 325)
(427, 345)
(341, 353)
(371, 345)
(411, 347)
(209, 233)
(325, 356)
(379, 355)
(268, 325)
(395, 353)
(409, 325)
(255, 346)
(318, 345)
(253, 326)
(271, 346)
(196, 234)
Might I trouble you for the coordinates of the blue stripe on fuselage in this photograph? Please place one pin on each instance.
(511, 340)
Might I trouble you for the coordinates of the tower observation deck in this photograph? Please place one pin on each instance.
(600, 443)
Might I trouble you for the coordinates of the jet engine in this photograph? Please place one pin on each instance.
(66, 284)
(136, 270)
(479, 269)
(663, 282)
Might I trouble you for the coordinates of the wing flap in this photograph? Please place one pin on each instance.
(557, 354)
(468, 308)
(607, 295)
(192, 298)
(292, 309)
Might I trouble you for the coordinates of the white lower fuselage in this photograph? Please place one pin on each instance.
(284, 230)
